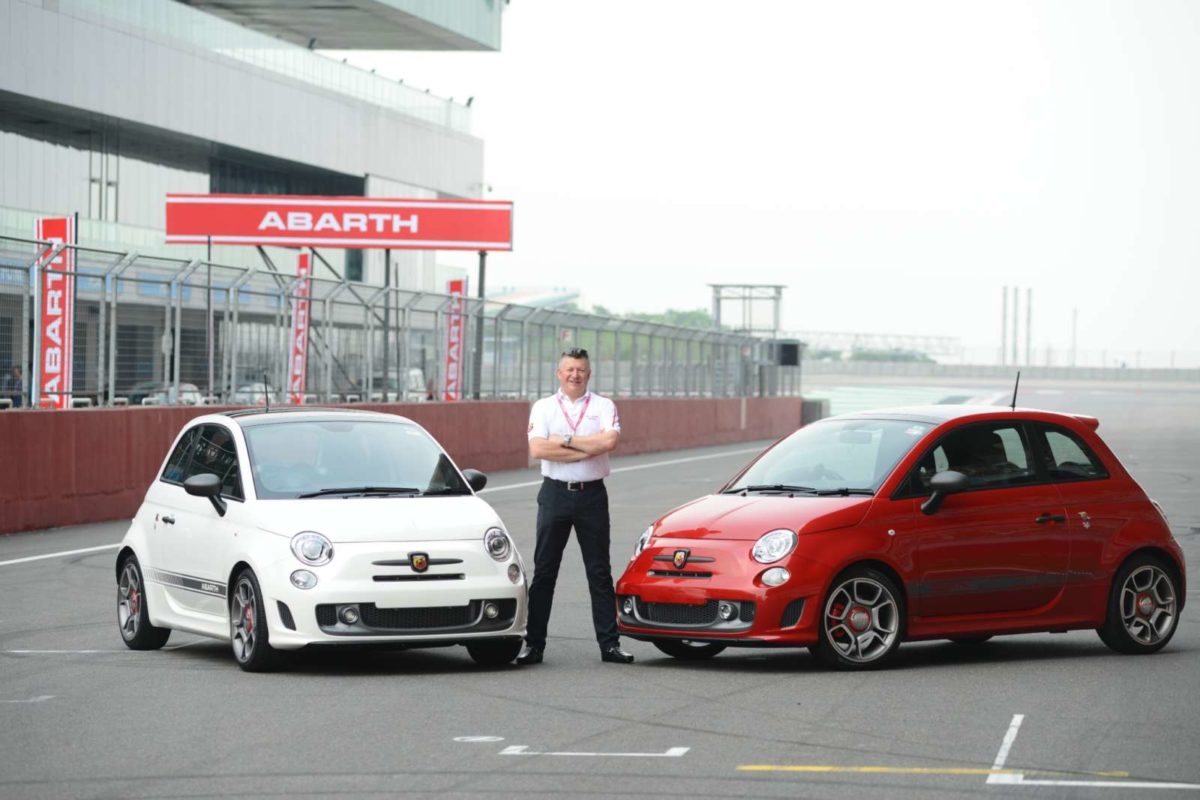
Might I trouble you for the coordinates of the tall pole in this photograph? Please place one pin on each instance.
(1015, 317)
(1004, 329)
(477, 368)
(387, 319)
(1029, 326)
(208, 320)
(1074, 330)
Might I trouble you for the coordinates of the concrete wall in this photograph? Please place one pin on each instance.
(90, 465)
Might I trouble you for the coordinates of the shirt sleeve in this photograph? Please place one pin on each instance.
(537, 422)
(611, 420)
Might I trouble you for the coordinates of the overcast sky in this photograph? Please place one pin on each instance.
(894, 164)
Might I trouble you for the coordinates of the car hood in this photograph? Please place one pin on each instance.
(733, 517)
(381, 519)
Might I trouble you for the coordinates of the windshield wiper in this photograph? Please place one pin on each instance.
(770, 487)
(844, 492)
(361, 491)
(446, 490)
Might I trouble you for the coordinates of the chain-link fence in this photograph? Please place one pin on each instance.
(151, 330)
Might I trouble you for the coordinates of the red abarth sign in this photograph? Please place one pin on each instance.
(452, 386)
(52, 388)
(298, 363)
(350, 222)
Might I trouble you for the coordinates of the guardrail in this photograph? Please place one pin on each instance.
(141, 326)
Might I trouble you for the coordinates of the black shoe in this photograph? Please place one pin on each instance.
(613, 655)
(529, 655)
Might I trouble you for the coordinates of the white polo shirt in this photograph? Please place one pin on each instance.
(556, 415)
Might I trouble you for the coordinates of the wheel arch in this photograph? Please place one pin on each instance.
(240, 565)
(122, 554)
(886, 569)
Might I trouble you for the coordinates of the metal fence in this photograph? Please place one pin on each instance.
(151, 330)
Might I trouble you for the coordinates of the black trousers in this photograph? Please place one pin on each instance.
(560, 509)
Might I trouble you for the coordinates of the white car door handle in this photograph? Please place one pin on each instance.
(168, 520)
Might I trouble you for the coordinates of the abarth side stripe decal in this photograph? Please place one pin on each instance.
(189, 582)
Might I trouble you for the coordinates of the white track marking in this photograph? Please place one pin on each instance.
(60, 652)
(523, 750)
(1017, 778)
(41, 698)
(1020, 780)
(652, 465)
(27, 559)
(1009, 737)
(636, 467)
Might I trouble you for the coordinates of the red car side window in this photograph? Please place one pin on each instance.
(1068, 458)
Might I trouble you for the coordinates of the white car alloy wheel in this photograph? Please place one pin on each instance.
(248, 624)
(133, 617)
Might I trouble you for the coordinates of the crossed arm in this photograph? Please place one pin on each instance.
(582, 447)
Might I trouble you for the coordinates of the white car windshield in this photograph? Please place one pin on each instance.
(313, 459)
(833, 457)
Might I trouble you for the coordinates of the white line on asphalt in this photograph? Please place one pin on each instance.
(636, 467)
(523, 750)
(1020, 780)
(41, 698)
(27, 559)
(651, 465)
(1006, 745)
(61, 652)
(1016, 778)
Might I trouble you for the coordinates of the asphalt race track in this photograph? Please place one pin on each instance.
(1039, 716)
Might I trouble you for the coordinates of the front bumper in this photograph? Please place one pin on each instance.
(718, 596)
(464, 596)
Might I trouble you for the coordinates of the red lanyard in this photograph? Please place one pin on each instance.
(574, 425)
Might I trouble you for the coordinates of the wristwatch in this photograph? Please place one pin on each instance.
(567, 440)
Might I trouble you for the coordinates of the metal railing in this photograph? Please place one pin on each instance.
(142, 323)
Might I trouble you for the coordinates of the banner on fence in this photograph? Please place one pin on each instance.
(452, 385)
(298, 362)
(56, 336)
(352, 222)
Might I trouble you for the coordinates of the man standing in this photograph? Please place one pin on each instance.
(572, 432)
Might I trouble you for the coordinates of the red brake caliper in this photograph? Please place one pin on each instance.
(249, 615)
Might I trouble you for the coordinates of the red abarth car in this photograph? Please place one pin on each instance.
(861, 531)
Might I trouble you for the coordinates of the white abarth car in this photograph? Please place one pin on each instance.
(279, 529)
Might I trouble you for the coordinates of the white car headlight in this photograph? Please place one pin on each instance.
(497, 543)
(642, 541)
(312, 548)
(773, 546)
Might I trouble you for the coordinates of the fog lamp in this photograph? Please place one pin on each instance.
(303, 579)
(726, 611)
(491, 611)
(627, 606)
(349, 615)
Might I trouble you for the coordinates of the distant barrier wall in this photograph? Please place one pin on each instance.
(91, 465)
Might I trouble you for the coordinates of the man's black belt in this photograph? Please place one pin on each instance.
(576, 486)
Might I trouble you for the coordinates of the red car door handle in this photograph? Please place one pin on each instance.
(1044, 518)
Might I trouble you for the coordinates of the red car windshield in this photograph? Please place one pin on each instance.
(833, 456)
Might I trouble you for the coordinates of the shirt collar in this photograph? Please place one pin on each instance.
(563, 396)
